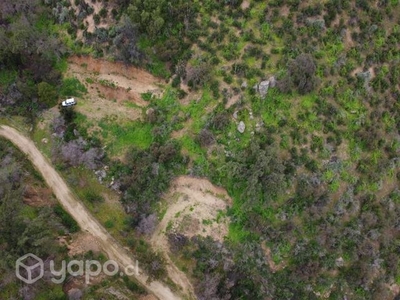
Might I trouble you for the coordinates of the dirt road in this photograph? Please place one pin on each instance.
(79, 212)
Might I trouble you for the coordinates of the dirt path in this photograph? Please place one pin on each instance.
(79, 212)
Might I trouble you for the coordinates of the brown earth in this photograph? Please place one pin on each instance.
(138, 80)
(81, 243)
(37, 196)
(114, 89)
(193, 208)
(114, 92)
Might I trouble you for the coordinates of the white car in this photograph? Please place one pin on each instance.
(68, 102)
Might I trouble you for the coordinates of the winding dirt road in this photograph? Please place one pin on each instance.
(78, 211)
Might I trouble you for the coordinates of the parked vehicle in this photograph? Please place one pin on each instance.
(68, 102)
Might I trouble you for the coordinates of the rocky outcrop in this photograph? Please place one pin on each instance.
(263, 86)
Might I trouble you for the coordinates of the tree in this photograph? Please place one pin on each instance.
(148, 15)
(301, 74)
(125, 42)
(205, 138)
(259, 172)
(220, 121)
(199, 75)
(47, 94)
(11, 222)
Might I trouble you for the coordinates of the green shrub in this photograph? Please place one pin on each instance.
(92, 196)
(72, 87)
(96, 19)
(66, 219)
(47, 94)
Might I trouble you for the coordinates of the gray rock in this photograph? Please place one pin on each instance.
(101, 174)
(365, 75)
(244, 84)
(339, 262)
(235, 115)
(262, 88)
(241, 127)
(272, 81)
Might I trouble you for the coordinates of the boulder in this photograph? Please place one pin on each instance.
(241, 127)
(262, 88)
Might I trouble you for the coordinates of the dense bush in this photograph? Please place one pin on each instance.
(66, 219)
(28, 55)
(150, 172)
(301, 75)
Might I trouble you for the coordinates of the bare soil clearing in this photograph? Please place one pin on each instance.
(195, 207)
(37, 196)
(114, 92)
(113, 88)
(81, 243)
(80, 213)
(138, 80)
(193, 202)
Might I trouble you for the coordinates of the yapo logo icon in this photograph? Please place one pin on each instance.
(29, 268)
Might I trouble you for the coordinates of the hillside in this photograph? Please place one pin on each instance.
(247, 149)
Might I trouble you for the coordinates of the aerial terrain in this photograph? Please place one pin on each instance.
(221, 149)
